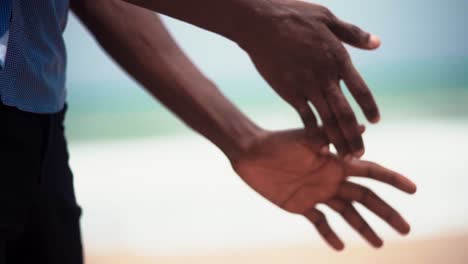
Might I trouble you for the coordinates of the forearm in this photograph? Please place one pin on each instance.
(233, 19)
(140, 44)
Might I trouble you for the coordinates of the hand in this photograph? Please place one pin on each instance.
(284, 167)
(299, 52)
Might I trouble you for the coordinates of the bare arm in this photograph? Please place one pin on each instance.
(284, 167)
(139, 42)
(298, 48)
(229, 18)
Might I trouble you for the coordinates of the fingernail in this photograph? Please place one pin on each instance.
(340, 246)
(379, 244)
(406, 229)
(375, 120)
(374, 42)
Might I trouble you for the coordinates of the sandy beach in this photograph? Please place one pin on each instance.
(445, 249)
(178, 196)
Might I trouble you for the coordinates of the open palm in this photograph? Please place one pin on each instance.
(287, 170)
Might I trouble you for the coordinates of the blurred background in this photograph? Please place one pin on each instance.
(152, 191)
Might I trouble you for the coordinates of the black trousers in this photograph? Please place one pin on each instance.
(39, 216)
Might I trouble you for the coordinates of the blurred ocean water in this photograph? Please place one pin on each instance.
(422, 90)
(120, 135)
(178, 194)
(127, 149)
(419, 73)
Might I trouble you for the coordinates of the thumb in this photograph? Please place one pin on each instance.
(354, 35)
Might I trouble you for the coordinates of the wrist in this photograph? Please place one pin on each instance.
(244, 137)
(251, 20)
(260, 22)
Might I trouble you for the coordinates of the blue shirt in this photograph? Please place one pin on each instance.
(33, 76)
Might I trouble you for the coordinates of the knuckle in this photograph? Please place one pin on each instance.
(326, 12)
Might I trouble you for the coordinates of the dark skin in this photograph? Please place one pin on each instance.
(309, 69)
(298, 49)
(287, 167)
(290, 172)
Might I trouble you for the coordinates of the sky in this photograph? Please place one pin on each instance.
(411, 31)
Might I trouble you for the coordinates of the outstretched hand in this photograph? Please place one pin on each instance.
(285, 168)
(300, 53)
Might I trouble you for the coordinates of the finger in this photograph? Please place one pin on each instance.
(314, 132)
(320, 222)
(355, 220)
(321, 140)
(345, 117)
(330, 124)
(374, 171)
(360, 91)
(325, 149)
(354, 35)
(352, 191)
(307, 115)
